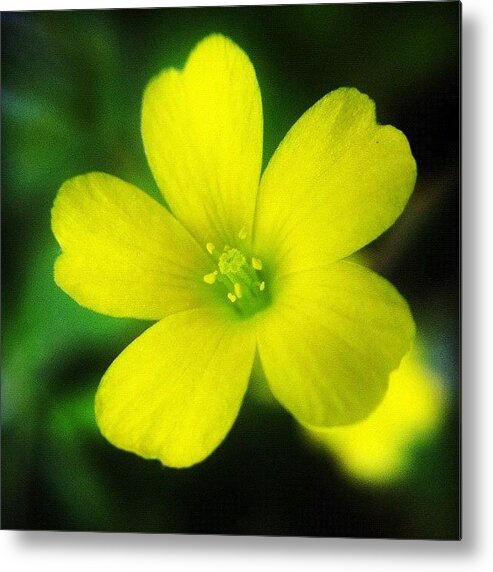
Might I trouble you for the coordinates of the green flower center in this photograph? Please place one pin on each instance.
(239, 278)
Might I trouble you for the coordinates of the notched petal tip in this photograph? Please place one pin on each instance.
(328, 357)
(336, 182)
(379, 449)
(195, 124)
(177, 405)
(214, 41)
(123, 254)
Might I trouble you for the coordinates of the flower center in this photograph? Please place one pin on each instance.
(239, 278)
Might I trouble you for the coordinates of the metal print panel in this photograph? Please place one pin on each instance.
(231, 270)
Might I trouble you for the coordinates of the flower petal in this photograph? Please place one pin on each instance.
(336, 182)
(378, 448)
(330, 341)
(123, 253)
(175, 392)
(202, 131)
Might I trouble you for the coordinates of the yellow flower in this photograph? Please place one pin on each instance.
(245, 264)
(379, 449)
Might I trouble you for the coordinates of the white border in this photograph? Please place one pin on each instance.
(44, 551)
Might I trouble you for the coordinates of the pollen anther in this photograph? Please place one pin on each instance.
(211, 278)
(256, 263)
(243, 233)
(239, 277)
(237, 288)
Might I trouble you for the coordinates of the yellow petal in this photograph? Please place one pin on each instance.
(330, 340)
(378, 448)
(123, 253)
(336, 182)
(202, 131)
(174, 393)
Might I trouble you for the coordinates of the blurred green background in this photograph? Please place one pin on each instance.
(72, 84)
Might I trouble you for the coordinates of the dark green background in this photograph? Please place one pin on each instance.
(72, 84)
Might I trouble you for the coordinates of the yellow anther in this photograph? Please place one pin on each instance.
(238, 289)
(243, 233)
(256, 263)
(210, 278)
(236, 276)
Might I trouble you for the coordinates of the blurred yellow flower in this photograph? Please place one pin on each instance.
(379, 449)
(245, 264)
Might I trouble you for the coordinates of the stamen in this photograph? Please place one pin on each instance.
(256, 263)
(237, 288)
(238, 278)
(243, 233)
(210, 278)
